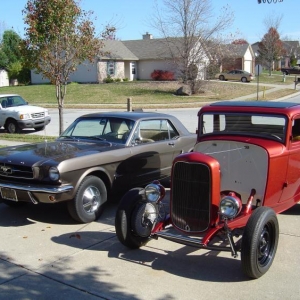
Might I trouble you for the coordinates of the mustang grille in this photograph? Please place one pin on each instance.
(191, 198)
(14, 171)
(38, 115)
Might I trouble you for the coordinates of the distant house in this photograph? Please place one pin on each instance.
(133, 59)
(240, 56)
(292, 48)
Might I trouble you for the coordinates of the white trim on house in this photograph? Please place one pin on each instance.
(4, 80)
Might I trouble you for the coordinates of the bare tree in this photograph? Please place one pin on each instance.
(191, 31)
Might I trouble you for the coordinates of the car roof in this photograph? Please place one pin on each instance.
(266, 104)
(134, 115)
(138, 115)
(265, 107)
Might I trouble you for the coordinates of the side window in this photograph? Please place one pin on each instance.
(4, 102)
(296, 130)
(151, 131)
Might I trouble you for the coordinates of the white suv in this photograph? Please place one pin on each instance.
(16, 114)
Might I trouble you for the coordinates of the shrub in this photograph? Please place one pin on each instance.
(161, 75)
(108, 79)
(125, 79)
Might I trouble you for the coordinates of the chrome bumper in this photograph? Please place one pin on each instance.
(38, 189)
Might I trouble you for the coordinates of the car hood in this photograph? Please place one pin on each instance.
(26, 109)
(52, 152)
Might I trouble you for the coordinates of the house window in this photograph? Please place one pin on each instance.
(133, 68)
(111, 67)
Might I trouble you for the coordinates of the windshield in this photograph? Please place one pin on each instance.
(259, 125)
(110, 129)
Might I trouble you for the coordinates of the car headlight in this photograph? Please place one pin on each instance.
(24, 116)
(154, 192)
(230, 206)
(53, 173)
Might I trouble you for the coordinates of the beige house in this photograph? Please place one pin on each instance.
(240, 57)
(133, 60)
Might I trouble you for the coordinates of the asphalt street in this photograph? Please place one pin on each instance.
(44, 254)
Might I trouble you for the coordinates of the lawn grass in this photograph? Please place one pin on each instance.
(28, 138)
(142, 93)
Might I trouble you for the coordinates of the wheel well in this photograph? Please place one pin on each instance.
(103, 177)
(9, 119)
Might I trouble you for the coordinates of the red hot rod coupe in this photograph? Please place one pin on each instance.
(224, 196)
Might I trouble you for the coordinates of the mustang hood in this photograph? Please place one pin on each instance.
(40, 153)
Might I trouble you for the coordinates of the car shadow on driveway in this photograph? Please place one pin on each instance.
(192, 263)
(44, 213)
(294, 210)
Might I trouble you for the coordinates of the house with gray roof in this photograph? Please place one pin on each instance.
(132, 59)
(238, 56)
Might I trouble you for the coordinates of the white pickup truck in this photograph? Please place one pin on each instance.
(16, 114)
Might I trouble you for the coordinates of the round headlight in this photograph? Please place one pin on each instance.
(53, 174)
(152, 192)
(230, 206)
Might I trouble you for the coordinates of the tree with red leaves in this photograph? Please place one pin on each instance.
(270, 48)
(239, 42)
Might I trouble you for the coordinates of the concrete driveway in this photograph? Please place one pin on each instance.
(45, 255)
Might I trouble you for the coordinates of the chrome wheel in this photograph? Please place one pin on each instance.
(91, 199)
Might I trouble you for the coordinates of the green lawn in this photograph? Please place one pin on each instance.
(143, 93)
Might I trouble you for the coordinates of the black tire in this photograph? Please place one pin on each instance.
(221, 77)
(39, 128)
(127, 218)
(12, 126)
(244, 79)
(89, 202)
(259, 242)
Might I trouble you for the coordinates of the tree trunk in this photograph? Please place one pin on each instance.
(60, 93)
(61, 119)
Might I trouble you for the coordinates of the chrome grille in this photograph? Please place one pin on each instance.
(38, 115)
(15, 171)
(191, 197)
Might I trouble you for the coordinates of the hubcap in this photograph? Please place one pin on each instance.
(91, 199)
(11, 128)
(144, 219)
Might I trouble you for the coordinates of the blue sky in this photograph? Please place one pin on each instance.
(132, 16)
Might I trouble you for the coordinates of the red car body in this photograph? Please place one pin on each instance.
(224, 196)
